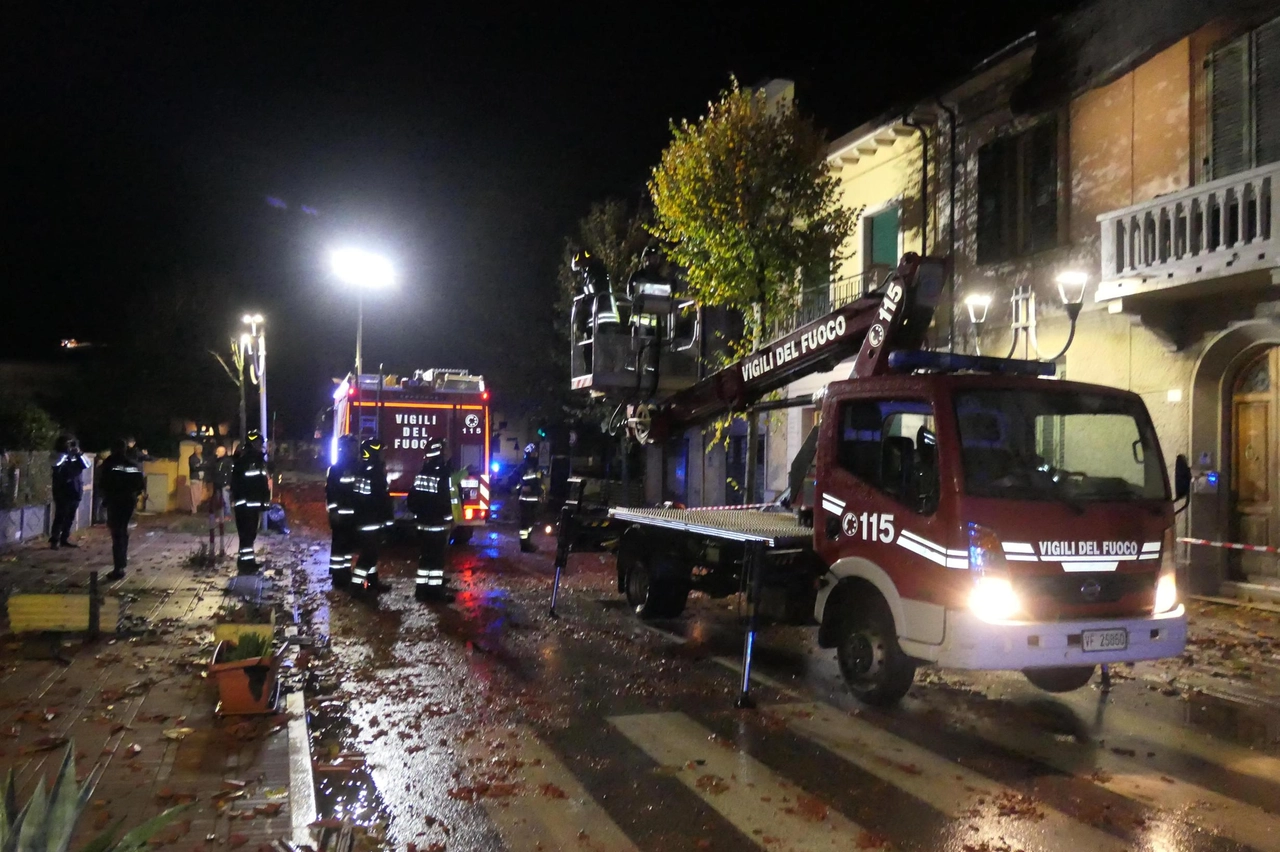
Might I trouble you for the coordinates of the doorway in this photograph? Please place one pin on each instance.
(1255, 464)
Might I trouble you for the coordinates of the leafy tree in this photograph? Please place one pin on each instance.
(25, 425)
(746, 201)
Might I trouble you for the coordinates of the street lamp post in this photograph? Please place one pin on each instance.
(257, 336)
(364, 271)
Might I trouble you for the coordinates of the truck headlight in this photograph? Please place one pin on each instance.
(993, 599)
(1167, 583)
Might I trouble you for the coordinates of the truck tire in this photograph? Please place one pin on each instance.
(461, 535)
(871, 662)
(654, 590)
(1060, 678)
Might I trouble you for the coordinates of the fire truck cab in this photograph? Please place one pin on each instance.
(406, 412)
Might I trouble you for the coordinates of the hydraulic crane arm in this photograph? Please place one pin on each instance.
(896, 316)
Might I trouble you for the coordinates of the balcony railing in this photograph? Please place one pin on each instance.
(1219, 228)
(825, 298)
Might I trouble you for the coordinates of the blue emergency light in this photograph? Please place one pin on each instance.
(495, 466)
(950, 362)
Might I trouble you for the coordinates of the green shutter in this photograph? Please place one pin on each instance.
(1228, 108)
(884, 238)
(1266, 92)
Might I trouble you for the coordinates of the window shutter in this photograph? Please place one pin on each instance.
(1041, 200)
(1227, 106)
(1266, 96)
(997, 175)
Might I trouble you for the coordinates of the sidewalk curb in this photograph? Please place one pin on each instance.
(302, 790)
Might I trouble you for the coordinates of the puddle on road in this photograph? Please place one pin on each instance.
(1244, 724)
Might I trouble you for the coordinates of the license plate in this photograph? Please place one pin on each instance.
(1115, 639)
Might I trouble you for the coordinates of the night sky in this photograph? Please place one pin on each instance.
(143, 142)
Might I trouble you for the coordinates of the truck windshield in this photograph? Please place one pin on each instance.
(1053, 445)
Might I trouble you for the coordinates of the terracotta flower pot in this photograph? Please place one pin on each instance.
(244, 686)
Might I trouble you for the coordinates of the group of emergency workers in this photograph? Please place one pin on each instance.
(359, 508)
(121, 482)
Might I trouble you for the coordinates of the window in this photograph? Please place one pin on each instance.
(1244, 102)
(880, 244)
(1069, 447)
(1018, 194)
(890, 445)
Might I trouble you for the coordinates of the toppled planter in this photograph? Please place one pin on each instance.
(245, 670)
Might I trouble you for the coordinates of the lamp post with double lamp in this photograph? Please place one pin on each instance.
(1071, 286)
(364, 271)
(257, 336)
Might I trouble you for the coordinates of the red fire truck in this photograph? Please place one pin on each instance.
(959, 511)
(404, 413)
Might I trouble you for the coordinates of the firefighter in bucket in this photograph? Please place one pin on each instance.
(429, 501)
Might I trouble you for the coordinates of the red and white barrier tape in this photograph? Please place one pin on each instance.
(1231, 545)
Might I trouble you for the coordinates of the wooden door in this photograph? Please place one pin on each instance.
(1255, 468)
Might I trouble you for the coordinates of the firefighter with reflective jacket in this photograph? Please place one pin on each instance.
(373, 511)
(429, 501)
(530, 496)
(340, 498)
(250, 495)
(595, 311)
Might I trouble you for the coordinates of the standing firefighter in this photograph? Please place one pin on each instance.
(530, 495)
(250, 494)
(68, 488)
(122, 482)
(373, 511)
(340, 497)
(429, 501)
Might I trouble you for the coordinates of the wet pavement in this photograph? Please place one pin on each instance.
(482, 723)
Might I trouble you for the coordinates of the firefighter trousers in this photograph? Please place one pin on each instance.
(528, 517)
(433, 540)
(342, 549)
(368, 541)
(247, 518)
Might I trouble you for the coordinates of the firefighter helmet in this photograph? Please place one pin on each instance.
(348, 448)
(371, 448)
(254, 439)
(435, 448)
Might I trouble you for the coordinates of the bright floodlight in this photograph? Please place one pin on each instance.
(246, 319)
(1071, 284)
(257, 318)
(362, 268)
(977, 305)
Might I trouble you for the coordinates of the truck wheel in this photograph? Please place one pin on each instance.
(871, 662)
(461, 535)
(1060, 678)
(654, 592)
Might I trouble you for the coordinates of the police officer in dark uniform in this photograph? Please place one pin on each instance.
(339, 495)
(122, 481)
(250, 494)
(429, 501)
(68, 488)
(373, 511)
(530, 496)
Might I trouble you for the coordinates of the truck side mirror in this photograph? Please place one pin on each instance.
(1181, 477)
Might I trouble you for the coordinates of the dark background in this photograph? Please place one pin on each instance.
(143, 141)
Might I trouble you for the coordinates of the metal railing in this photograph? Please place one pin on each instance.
(815, 302)
(1224, 226)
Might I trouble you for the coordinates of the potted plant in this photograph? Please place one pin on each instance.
(245, 670)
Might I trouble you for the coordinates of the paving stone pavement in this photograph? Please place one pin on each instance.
(139, 703)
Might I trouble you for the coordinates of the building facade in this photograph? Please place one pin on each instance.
(1134, 146)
